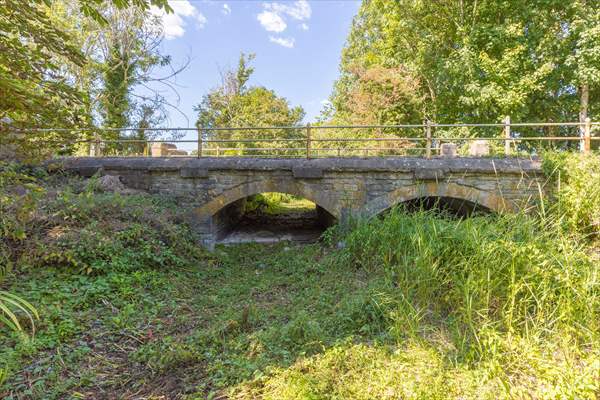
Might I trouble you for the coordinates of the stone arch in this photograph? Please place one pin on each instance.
(480, 197)
(287, 185)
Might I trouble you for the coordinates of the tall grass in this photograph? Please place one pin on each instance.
(575, 190)
(483, 276)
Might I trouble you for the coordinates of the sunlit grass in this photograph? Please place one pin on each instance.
(274, 203)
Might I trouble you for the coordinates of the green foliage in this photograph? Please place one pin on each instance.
(15, 214)
(503, 274)
(33, 91)
(475, 61)
(576, 192)
(277, 203)
(10, 302)
(94, 8)
(48, 70)
(234, 104)
(117, 83)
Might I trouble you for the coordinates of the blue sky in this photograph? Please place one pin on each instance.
(297, 45)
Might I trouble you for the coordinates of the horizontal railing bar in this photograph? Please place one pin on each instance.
(525, 138)
(410, 126)
(251, 140)
(412, 139)
(558, 138)
(399, 139)
(250, 128)
(501, 124)
(88, 129)
(135, 141)
(256, 148)
(214, 149)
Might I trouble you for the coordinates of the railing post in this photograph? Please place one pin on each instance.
(199, 142)
(308, 140)
(97, 151)
(428, 136)
(587, 136)
(507, 135)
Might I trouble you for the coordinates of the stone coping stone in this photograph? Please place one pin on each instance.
(191, 172)
(383, 164)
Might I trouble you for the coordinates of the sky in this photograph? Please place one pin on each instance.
(297, 44)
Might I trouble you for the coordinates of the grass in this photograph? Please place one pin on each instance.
(273, 203)
(415, 306)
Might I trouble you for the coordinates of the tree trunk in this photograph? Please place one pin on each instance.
(584, 100)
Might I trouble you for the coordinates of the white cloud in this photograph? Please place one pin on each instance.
(173, 24)
(183, 7)
(285, 42)
(299, 10)
(274, 15)
(226, 9)
(272, 21)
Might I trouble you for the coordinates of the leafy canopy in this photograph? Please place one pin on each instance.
(476, 61)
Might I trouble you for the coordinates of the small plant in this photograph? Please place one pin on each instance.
(8, 304)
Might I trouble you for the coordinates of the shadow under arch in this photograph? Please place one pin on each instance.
(486, 200)
(223, 214)
(250, 189)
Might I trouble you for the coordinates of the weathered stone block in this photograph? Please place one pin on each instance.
(448, 150)
(479, 148)
(307, 172)
(88, 172)
(427, 174)
(191, 172)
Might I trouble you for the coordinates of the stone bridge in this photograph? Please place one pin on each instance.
(214, 189)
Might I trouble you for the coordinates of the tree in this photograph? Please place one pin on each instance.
(235, 104)
(128, 50)
(477, 61)
(36, 92)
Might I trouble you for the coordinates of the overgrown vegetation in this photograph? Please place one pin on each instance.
(415, 305)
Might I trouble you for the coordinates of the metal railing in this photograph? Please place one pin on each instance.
(301, 141)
